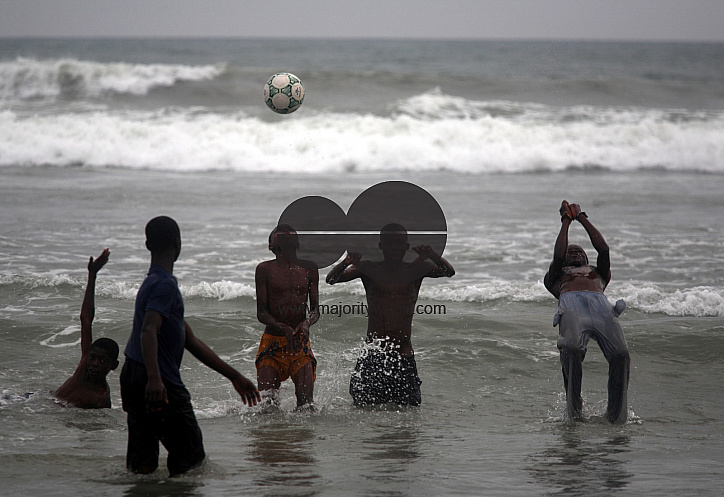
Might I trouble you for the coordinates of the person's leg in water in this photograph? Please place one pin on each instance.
(612, 342)
(304, 386)
(572, 366)
(618, 376)
(180, 433)
(268, 382)
(615, 351)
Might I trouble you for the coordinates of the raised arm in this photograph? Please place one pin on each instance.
(88, 308)
(347, 270)
(244, 387)
(555, 271)
(442, 266)
(603, 261)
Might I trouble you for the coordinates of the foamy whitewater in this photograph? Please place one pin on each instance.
(99, 136)
(401, 115)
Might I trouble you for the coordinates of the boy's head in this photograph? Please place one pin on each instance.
(283, 238)
(102, 359)
(393, 242)
(162, 234)
(576, 256)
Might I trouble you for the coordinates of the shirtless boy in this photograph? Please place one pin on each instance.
(388, 373)
(585, 313)
(88, 388)
(284, 285)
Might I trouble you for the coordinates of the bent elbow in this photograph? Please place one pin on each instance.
(603, 252)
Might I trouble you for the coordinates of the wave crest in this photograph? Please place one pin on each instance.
(27, 79)
(428, 132)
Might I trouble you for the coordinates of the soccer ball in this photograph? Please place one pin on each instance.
(283, 93)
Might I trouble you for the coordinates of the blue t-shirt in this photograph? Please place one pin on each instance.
(159, 292)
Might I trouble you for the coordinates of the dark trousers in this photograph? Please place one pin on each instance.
(175, 426)
(618, 376)
(588, 315)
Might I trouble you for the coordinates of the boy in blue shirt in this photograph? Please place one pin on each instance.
(156, 400)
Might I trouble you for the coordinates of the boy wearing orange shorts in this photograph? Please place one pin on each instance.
(286, 287)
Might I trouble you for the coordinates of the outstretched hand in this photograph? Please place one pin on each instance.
(301, 333)
(566, 212)
(156, 395)
(352, 258)
(247, 390)
(95, 265)
(292, 346)
(425, 252)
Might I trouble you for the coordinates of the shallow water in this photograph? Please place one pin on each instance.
(492, 416)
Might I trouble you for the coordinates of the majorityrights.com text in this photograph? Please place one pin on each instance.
(361, 308)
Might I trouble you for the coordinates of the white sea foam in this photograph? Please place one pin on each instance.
(697, 301)
(26, 78)
(221, 290)
(486, 292)
(451, 134)
(646, 297)
(70, 330)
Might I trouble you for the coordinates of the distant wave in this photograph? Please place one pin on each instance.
(697, 301)
(648, 298)
(431, 131)
(27, 79)
(221, 290)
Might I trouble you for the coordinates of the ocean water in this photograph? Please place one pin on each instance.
(98, 136)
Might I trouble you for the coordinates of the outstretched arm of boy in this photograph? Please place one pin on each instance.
(347, 270)
(88, 308)
(603, 262)
(442, 266)
(560, 248)
(244, 387)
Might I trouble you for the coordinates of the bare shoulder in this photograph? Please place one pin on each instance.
(264, 267)
(309, 266)
(366, 264)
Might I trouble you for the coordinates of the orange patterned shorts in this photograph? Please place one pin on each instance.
(286, 364)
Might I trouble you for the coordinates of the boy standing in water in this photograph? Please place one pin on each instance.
(284, 285)
(388, 373)
(156, 400)
(88, 388)
(585, 313)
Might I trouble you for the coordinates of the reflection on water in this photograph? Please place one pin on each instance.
(172, 487)
(389, 458)
(400, 444)
(285, 454)
(583, 465)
